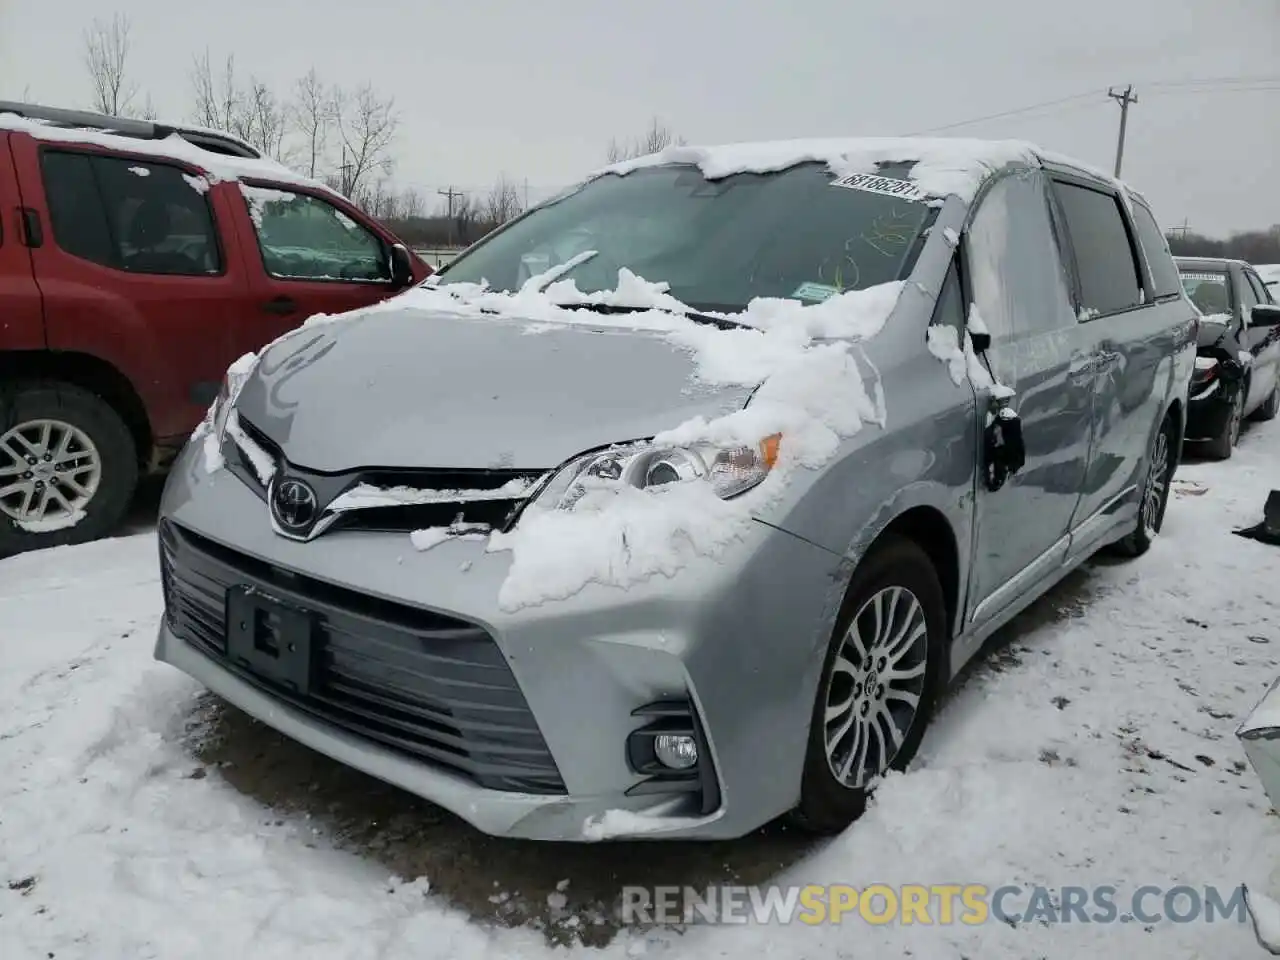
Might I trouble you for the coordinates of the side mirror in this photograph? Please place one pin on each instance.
(981, 341)
(401, 266)
(1265, 315)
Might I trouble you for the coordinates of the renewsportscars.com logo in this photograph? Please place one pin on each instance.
(931, 904)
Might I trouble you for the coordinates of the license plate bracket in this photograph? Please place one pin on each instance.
(271, 639)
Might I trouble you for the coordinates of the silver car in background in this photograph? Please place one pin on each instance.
(670, 507)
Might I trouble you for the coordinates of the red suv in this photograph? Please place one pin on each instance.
(137, 262)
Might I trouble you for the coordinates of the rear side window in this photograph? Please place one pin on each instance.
(76, 213)
(132, 215)
(1104, 255)
(1164, 272)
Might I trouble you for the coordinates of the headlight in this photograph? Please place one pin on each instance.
(729, 470)
(1205, 363)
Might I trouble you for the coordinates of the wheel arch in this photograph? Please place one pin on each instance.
(89, 373)
(928, 528)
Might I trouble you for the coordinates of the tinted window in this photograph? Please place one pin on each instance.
(1164, 272)
(799, 234)
(159, 218)
(131, 215)
(76, 213)
(303, 238)
(1259, 288)
(1019, 284)
(1104, 255)
(1248, 297)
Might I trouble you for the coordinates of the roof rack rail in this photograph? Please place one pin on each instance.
(211, 140)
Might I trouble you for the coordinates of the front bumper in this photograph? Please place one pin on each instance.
(741, 640)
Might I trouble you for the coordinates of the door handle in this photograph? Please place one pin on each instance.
(281, 306)
(32, 231)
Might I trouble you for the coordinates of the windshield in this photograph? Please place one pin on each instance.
(1207, 290)
(717, 243)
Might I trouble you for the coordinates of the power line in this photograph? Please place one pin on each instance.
(1174, 87)
(1009, 113)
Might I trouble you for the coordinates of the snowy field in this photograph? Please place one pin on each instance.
(141, 819)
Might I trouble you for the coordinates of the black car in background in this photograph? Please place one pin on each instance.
(1238, 357)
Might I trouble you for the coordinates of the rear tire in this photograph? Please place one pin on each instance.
(898, 578)
(1160, 464)
(1223, 445)
(1270, 407)
(61, 422)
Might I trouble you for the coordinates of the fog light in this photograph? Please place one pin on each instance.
(676, 751)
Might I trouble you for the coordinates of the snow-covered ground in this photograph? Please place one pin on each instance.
(1094, 747)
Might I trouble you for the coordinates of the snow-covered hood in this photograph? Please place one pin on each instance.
(408, 388)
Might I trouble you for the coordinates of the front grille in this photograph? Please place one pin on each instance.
(483, 499)
(494, 510)
(425, 684)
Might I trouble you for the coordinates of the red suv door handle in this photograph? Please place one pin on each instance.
(32, 231)
(281, 306)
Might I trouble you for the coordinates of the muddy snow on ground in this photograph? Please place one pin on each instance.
(1094, 744)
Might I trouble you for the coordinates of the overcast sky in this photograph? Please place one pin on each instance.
(536, 90)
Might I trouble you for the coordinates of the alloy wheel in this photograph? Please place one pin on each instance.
(1157, 483)
(49, 471)
(877, 680)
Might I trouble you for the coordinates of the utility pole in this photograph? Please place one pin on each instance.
(450, 194)
(1124, 98)
(345, 170)
(526, 193)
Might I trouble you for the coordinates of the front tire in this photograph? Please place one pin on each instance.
(68, 467)
(879, 684)
(1155, 492)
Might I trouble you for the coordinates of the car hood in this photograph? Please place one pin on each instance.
(408, 388)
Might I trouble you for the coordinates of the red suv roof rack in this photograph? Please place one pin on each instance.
(211, 140)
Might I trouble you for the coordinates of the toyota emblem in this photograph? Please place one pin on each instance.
(293, 504)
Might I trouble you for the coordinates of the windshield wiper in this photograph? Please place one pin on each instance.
(612, 308)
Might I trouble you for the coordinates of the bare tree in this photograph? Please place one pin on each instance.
(658, 137)
(366, 126)
(106, 55)
(265, 121)
(411, 204)
(218, 101)
(502, 204)
(148, 111)
(311, 115)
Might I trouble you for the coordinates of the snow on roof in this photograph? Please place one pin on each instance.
(215, 165)
(1206, 261)
(943, 166)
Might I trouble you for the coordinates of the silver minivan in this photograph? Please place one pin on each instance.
(671, 507)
